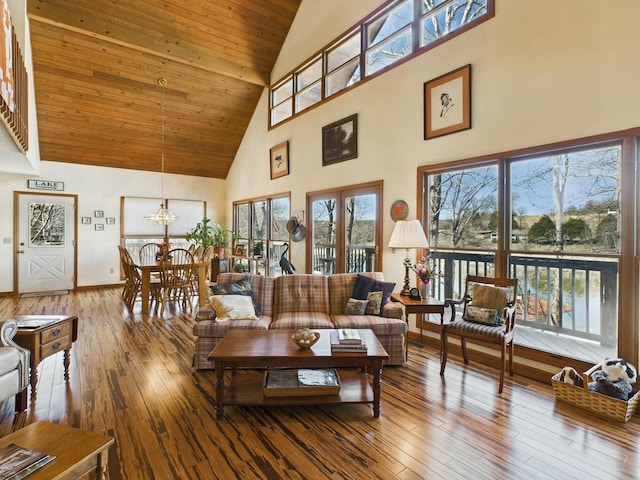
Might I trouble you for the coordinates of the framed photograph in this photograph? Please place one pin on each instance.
(279, 156)
(111, 220)
(98, 213)
(340, 140)
(238, 250)
(86, 220)
(447, 103)
(99, 226)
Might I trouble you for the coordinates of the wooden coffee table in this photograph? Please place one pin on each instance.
(78, 452)
(274, 348)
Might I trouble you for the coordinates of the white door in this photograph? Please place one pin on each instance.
(46, 243)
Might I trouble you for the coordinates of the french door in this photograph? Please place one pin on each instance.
(345, 226)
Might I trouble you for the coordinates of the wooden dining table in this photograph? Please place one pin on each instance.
(153, 266)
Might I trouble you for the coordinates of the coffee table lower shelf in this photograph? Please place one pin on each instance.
(246, 388)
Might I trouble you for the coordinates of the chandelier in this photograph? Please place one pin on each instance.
(162, 216)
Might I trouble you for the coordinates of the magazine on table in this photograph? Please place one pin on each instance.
(349, 336)
(16, 462)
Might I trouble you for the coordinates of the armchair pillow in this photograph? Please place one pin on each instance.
(374, 302)
(489, 297)
(233, 307)
(486, 316)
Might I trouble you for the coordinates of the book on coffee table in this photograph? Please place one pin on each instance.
(17, 462)
(301, 382)
(338, 347)
(349, 336)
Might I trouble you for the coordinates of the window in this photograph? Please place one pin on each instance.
(553, 220)
(137, 231)
(261, 235)
(398, 30)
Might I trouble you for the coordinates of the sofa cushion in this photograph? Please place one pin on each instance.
(341, 288)
(239, 287)
(297, 320)
(211, 328)
(233, 307)
(301, 293)
(262, 286)
(356, 307)
(381, 326)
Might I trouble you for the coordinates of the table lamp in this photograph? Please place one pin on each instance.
(408, 234)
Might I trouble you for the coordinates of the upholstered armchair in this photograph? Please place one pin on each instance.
(488, 317)
(14, 366)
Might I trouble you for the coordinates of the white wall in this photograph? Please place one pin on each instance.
(100, 188)
(542, 72)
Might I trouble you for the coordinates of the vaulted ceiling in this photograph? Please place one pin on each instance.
(96, 70)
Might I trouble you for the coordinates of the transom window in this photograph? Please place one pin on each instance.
(398, 30)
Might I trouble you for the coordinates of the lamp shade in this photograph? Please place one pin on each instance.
(408, 234)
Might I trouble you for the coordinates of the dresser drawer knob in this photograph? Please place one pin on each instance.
(55, 332)
(56, 346)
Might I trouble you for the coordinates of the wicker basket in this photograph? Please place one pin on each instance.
(601, 405)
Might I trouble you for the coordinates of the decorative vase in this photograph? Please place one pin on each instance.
(424, 290)
(159, 255)
(220, 252)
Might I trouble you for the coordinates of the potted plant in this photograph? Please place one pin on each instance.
(220, 239)
(258, 248)
(202, 234)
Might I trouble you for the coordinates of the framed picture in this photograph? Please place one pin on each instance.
(447, 103)
(279, 156)
(98, 214)
(111, 220)
(99, 226)
(238, 250)
(340, 140)
(86, 220)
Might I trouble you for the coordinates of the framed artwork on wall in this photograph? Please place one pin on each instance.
(111, 220)
(98, 213)
(86, 220)
(447, 103)
(99, 226)
(340, 140)
(279, 157)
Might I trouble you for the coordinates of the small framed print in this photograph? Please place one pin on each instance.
(111, 220)
(86, 220)
(238, 250)
(99, 226)
(340, 140)
(447, 103)
(279, 156)
(98, 214)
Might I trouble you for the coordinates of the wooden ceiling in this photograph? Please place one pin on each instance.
(96, 71)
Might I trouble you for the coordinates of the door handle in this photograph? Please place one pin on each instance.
(20, 251)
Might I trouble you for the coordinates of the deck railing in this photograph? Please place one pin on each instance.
(574, 297)
(360, 258)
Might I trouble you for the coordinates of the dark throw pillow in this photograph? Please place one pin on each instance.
(364, 285)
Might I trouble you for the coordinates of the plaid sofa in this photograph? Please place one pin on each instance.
(301, 301)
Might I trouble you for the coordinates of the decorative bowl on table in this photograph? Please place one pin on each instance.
(305, 338)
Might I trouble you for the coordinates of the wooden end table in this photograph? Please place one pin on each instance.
(78, 452)
(420, 307)
(46, 335)
(274, 348)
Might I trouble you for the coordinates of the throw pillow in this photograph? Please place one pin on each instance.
(233, 307)
(374, 303)
(486, 316)
(365, 284)
(489, 297)
(241, 287)
(355, 307)
(362, 287)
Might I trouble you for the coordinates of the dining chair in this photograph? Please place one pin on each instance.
(147, 253)
(488, 316)
(177, 271)
(133, 280)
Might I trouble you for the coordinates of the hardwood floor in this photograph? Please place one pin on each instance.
(131, 378)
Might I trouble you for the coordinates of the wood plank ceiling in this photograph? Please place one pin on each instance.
(97, 66)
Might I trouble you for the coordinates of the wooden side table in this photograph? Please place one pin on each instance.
(424, 306)
(46, 335)
(78, 452)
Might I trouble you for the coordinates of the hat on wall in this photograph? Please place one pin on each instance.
(296, 230)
